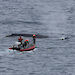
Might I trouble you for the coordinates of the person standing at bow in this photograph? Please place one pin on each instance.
(34, 36)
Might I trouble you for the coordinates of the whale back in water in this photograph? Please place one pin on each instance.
(27, 35)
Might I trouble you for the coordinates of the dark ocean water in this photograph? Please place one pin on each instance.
(54, 18)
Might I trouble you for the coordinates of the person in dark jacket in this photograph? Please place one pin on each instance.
(34, 36)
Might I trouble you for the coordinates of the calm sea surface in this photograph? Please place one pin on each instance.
(54, 18)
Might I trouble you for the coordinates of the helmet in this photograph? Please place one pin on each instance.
(25, 40)
(34, 35)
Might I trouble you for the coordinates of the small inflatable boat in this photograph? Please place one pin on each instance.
(29, 47)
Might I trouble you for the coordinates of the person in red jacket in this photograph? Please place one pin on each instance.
(20, 39)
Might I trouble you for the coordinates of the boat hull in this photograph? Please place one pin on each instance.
(26, 49)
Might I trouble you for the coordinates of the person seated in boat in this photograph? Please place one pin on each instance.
(34, 36)
(26, 42)
(20, 39)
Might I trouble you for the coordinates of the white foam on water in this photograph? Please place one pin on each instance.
(62, 38)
